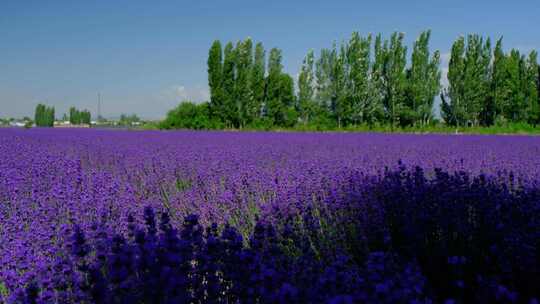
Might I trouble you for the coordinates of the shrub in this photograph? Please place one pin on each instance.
(190, 116)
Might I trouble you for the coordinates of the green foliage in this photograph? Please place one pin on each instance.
(331, 81)
(361, 93)
(188, 115)
(532, 88)
(274, 107)
(469, 75)
(258, 82)
(227, 109)
(244, 97)
(498, 88)
(476, 89)
(215, 79)
(423, 79)
(150, 125)
(306, 89)
(77, 117)
(44, 116)
(4, 293)
(367, 83)
(394, 78)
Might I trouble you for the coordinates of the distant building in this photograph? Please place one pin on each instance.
(18, 124)
(62, 123)
(67, 124)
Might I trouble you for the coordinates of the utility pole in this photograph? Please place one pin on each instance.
(99, 107)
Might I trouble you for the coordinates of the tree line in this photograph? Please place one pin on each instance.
(362, 81)
(44, 116)
(367, 81)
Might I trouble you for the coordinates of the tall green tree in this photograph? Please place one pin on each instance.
(306, 88)
(86, 117)
(423, 80)
(332, 91)
(514, 86)
(394, 77)
(487, 112)
(476, 78)
(74, 116)
(454, 110)
(77, 117)
(288, 116)
(39, 114)
(359, 62)
(323, 72)
(532, 88)
(498, 87)
(50, 115)
(244, 98)
(215, 79)
(340, 105)
(258, 82)
(377, 92)
(274, 107)
(44, 116)
(228, 85)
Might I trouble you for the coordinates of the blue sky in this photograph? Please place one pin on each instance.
(146, 56)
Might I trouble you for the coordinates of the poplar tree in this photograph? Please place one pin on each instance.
(331, 74)
(359, 61)
(323, 71)
(423, 80)
(86, 117)
(74, 116)
(306, 88)
(51, 116)
(44, 116)
(394, 77)
(516, 104)
(274, 108)
(338, 82)
(454, 111)
(476, 77)
(244, 60)
(532, 88)
(228, 83)
(377, 92)
(258, 80)
(288, 115)
(215, 81)
(498, 88)
(38, 115)
(487, 112)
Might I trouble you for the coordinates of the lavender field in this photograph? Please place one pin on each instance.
(341, 218)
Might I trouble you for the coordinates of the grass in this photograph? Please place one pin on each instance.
(517, 128)
(507, 129)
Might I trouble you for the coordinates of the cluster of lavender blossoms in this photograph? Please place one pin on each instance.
(96, 216)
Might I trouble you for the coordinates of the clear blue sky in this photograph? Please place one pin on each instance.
(145, 56)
